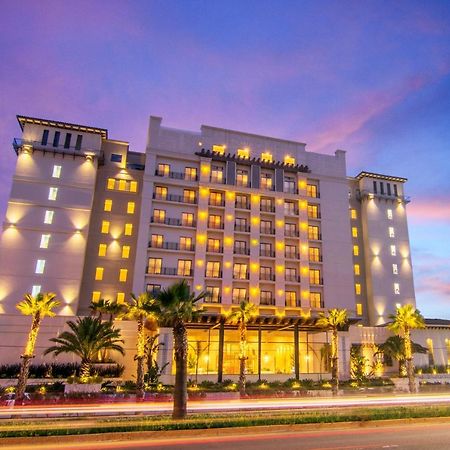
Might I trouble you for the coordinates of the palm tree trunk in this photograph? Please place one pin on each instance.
(409, 362)
(140, 358)
(85, 370)
(180, 389)
(334, 362)
(242, 359)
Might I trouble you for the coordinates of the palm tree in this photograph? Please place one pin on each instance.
(404, 320)
(394, 347)
(174, 307)
(242, 317)
(88, 337)
(38, 307)
(140, 310)
(334, 321)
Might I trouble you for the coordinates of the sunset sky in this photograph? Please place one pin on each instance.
(372, 78)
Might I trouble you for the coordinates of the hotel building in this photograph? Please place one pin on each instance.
(239, 215)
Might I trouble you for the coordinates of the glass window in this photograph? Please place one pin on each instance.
(52, 193)
(395, 269)
(108, 205)
(123, 274)
(359, 309)
(375, 187)
(266, 156)
(239, 295)
(216, 199)
(313, 211)
(161, 192)
(99, 273)
(290, 251)
(243, 153)
(315, 299)
(126, 251)
(265, 249)
(213, 269)
(184, 267)
(133, 186)
(241, 201)
(396, 289)
(163, 170)
(45, 239)
(240, 247)
(242, 177)
(44, 140)
(79, 141)
(56, 138)
(314, 254)
(213, 245)
(213, 294)
(159, 215)
(389, 214)
(393, 250)
(96, 295)
(188, 196)
(289, 207)
(290, 274)
(266, 181)
(314, 276)
(353, 214)
(290, 229)
(116, 158)
(128, 229)
(120, 297)
(357, 269)
(48, 218)
(216, 174)
(130, 207)
(266, 204)
(154, 265)
(311, 190)
(391, 232)
(266, 298)
(186, 243)
(265, 226)
(357, 289)
(313, 232)
(67, 140)
(395, 190)
(187, 219)
(214, 221)
(35, 290)
(355, 250)
(354, 232)
(157, 240)
(102, 249)
(153, 288)
(220, 149)
(289, 185)
(240, 224)
(291, 299)
(110, 183)
(56, 171)
(190, 173)
(290, 160)
(240, 271)
(105, 226)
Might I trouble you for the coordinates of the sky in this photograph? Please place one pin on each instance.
(369, 77)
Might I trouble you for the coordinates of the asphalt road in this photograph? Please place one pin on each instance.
(428, 435)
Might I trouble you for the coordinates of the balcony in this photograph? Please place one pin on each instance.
(315, 237)
(213, 299)
(316, 281)
(213, 274)
(175, 198)
(313, 216)
(217, 180)
(241, 251)
(292, 255)
(176, 175)
(291, 212)
(242, 205)
(267, 230)
(241, 276)
(292, 278)
(266, 187)
(242, 228)
(267, 253)
(237, 301)
(171, 271)
(315, 259)
(216, 202)
(18, 143)
(172, 246)
(267, 277)
(267, 208)
(213, 249)
(215, 226)
(173, 222)
(293, 304)
(242, 183)
(290, 191)
(267, 301)
(291, 233)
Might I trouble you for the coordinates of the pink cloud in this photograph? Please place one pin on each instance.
(423, 210)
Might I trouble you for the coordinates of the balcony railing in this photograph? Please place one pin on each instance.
(291, 233)
(241, 276)
(243, 228)
(268, 253)
(241, 251)
(216, 202)
(265, 230)
(318, 215)
(267, 276)
(267, 208)
(267, 301)
(213, 299)
(316, 282)
(215, 226)
(213, 249)
(172, 221)
(172, 271)
(172, 246)
(242, 184)
(217, 180)
(291, 212)
(315, 237)
(175, 198)
(213, 274)
(242, 205)
(293, 304)
(292, 278)
(176, 175)
(267, 188)
(291, 255)
(315, 258)
(237, 301)
(290, 191)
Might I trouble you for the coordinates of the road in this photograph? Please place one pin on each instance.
(148, 408)
(429, 435)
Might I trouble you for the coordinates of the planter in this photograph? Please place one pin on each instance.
(82, 388)
(402, 384)
(322, 393)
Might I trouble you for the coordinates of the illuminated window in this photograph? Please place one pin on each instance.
(126, 251)
(190, 173)
(110, 183)
(355, 250)
(213, 245)
(396, 289)
(266, 156)
(290, 251)
(353, 214)
(313, 211)
(157, 241)
(133, 186)
(266, 227)
(35, 290)
(120, 297)
(52, 193)
(391, 232)
(357, 269)
(102, 249)
(220, 149)
(289, 160)
(186, 243)
(188, 196)
(315, 300)
(314, 276)
(242, 177)
(154, 265)
(216, 174)
(393, 250)
(163, 170)
(240, 271)
(395, 269)
(239, 295)
(128, 229)
(99, 273)
(243, 153)
(96, 296)
(122, 185)
(213, 269)
(187, 219)
(130, 207)
(105, 226)
(354, 232)
(161, 192)
(213, 294)
(40, 266)
(108, 205)
(159, 215)
(290, 298)
(314, 254)
(389, 214)
(184, 267)
(359, 309)
(48, 218)
(215, 221)
(216, 199)
(123, 274)
(266, 181)
(289, 185)
(311, 190)
(313, 232)
(56, 172)
(153, 289)
(45, 239)
(290, 208)
(357, 289)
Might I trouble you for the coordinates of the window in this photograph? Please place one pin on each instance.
(159, 215)
(289, 208)
(243, 153)
(395, 269)
(128, 229)
(242, 177)
(78, 143)
(290, 251)
(311, 190)
(239, 295)
(157, 241)
(153, 288)
(213, 269)
(188, 196)
(216, 174)
(395, 190)
(213, 245)
(133, 186)
(381, 188)
(184, 267)
(266, 156)
(391, 232)
(67, 140)
(48, 218)
(52, 193)
(265, 273)
(125, 251)
(220, 149)
(110, 184)
(291, 299)
(357, 269)
(187, 219)
(108, 205)
(265, 249)
(160, 192)
(186, 243)
(393, 250)
(315, 300)
(354, 232)
(396, 289)
(353, 214)
(389, 214)
(56, 172)
(266, 181)
(45, 239)
(357, 289)
(190, 173)
(102, 249)
(122, 185)
(314, 276)
(44, 139)
(163, 170)
(216, 199)
(388, 185)
(240, 247)
(289, 185)
(313, 211)
(313, 232)
(130, 207)
(355, 250)
(213, 294)
(154, 265)
(35, 290)
(56, 138)
(214, 221)
(375, 187)
(266, 204)
(290, 274)
(314, 254)
(266, 298)
(99, 273)
(116, 158)
(120, 297)
(123, 274)
(105, 226)
(359, 309)
(241, 201)
(240, 271)
(240, 224)
(290, 229)
(265, 226)
(96, 296)
(40, 266)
